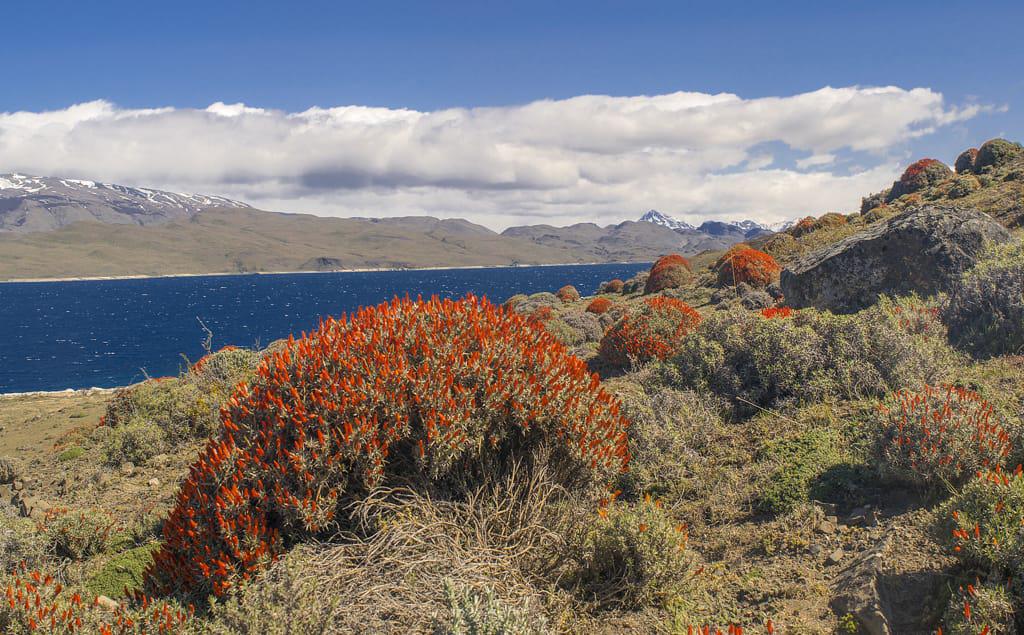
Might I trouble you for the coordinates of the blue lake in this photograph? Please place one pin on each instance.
(105, 333)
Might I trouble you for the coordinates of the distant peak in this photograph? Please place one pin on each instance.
(657, 218)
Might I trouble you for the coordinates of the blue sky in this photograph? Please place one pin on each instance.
(435, 56)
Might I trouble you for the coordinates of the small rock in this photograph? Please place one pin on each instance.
(825, 527)
(127, 469)
(862, 517)
(17, 486)
(836, 556)
(107, 603)
(154, 482)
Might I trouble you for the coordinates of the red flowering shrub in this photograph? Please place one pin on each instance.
(777, 312)
(568, 293)
(986, 519)
(727, 256)
(653, 330)
(804, 226)
(754, 267)
(612, 286)
(435, 393)
(941, 435)
(919, 175)
(599, 305)
(668, 272)
(33, 601)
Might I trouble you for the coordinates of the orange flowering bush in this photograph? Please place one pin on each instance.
(435, 393)
(653, 330)
(754, 267)
(919, 175)
(774, 312)
(987, 517)
(668, 272)
(803, 226)
(35, 602)
(599, 305)
(942, 435)
(568, 293)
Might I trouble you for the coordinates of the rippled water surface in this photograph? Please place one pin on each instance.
(57, 335)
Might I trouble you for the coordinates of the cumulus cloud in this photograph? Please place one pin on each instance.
(591, 157)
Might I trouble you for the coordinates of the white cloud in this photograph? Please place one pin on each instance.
(591, 157)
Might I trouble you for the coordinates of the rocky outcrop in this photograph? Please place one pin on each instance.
(920, 251)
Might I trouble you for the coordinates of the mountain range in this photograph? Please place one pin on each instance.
(57, 228)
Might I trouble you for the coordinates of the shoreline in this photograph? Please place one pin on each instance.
(281, 273)
(67, 392)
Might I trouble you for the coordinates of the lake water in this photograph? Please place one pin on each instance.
(105, 333)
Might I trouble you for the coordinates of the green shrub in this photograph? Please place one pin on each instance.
(79, 535)
(636, 284)
(985, 311)
(122, 574)
(633, 555)
(515, 301)
(668, 428)
(997, 153)
(986, 522)
(471, 612)
(185, 407)
(72, 453)
(760, 363)
(135, 442)
(986, 608)
(963, 185)
(20, 542)
(800, 462)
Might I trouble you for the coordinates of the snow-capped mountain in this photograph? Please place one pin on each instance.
(656, 217)
(740, 230)
(33, 203)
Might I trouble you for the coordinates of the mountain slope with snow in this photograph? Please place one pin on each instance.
(34, 204)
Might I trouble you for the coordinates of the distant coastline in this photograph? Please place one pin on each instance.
(281, 273)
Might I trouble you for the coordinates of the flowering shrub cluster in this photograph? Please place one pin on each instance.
(668, 272)
(802, 227)
(918, 317)
(919, 175)
(653, 330)
(568, 293)
(941, 435)
(777, 312)
(997, 153)
(78, 535)
(751, 266)
(987, 517)
(980, 608)
(35, 602)
(435, 393)
(599, 305)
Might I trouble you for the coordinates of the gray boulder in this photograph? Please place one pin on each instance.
(922, 251)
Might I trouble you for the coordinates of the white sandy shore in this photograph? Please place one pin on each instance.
(278, 273)
(69, 392)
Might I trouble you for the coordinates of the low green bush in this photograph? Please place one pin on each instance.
(79, 535)
(986, 608)
(800, 462)
(761, 363)
(632, 555)
(188, 406)
(471, 612)
(122, 574)
(20, 542)
(135, 443)
(985, 312)
(668, 429)
(70, 454)
(985, 522)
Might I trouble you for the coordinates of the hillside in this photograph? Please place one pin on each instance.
(62, 228)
